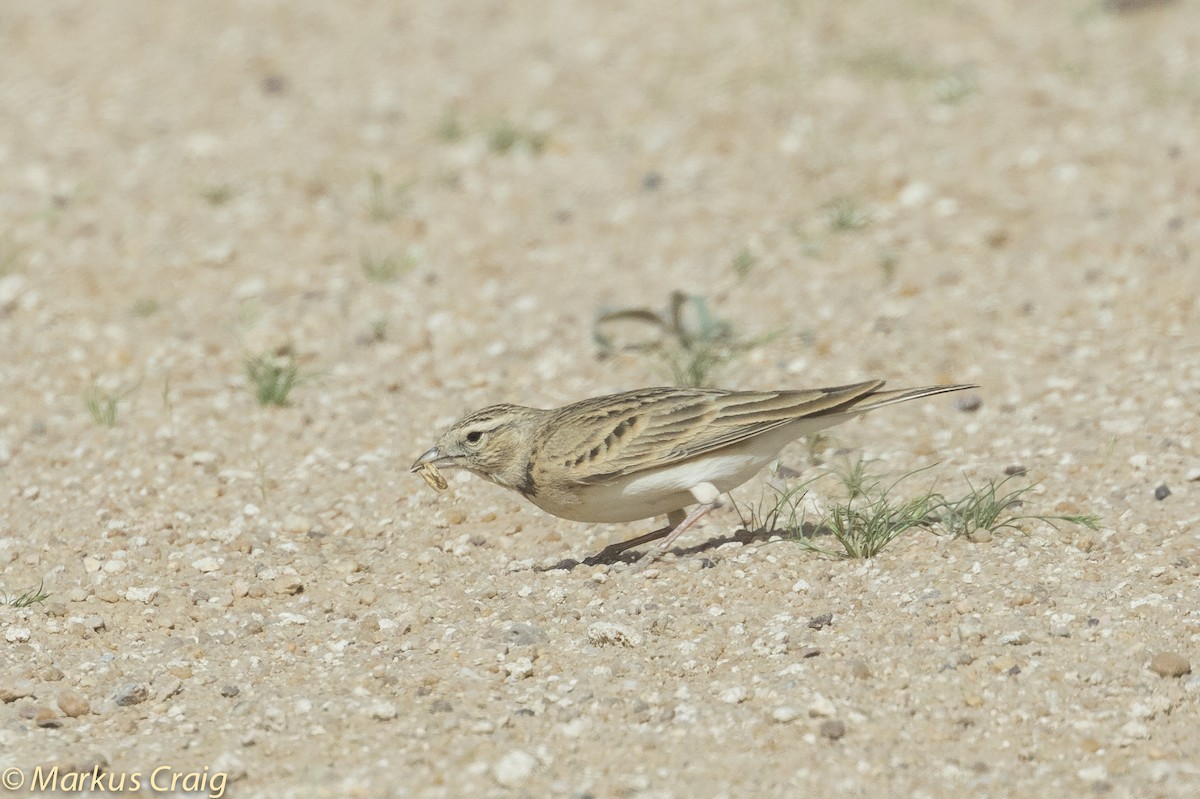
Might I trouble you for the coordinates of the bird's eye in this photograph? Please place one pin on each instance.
(474, 437)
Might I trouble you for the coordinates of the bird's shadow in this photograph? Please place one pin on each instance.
(631, 556)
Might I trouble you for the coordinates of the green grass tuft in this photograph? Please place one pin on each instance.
(218, 194)
(506, 136)
(386, 201)
(386, 268)
(273, 377)
(744, 262)
(10, 255)
(868, 513)
(451, 128)
(989, 508)
(33, 596)
(101, 405)
(144, 307)
(847, 214)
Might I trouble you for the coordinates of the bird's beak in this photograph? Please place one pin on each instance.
(431, 456)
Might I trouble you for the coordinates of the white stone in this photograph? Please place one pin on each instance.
(514, 768)
(208, 564)
(915, 193)
(609, 633)
(11, 288)
(821, 707)
(519, 669)
(1135, 730)
(203, 458)
(734, 696)
(17, 635)
(384, 711)
(145, 595)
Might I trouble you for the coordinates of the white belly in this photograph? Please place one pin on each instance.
(657, 492)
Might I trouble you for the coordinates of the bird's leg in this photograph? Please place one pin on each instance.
(707, 494)
(674, 519)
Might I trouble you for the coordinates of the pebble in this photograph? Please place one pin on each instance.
(296, 524)
(1170, 664)
(1004, 664)
(229, 691)
(607, 633)
(131, 694)
(1015, 470)
(94, 622)
(1192, 475)
(820, 622)
(514, 768)
(45, 717)
(17, 635)
(166, 686)
(521, 633)
(145, 595)
(11, 288)
(519, 669)
(860, 670)
(72, 704)
(968, 403)
(382, 710)
(207, 461)
(970, 629)
(821, 707)
(1162, 492)
(734, 696)
(785, 714)
(288, 584)
(1016, 638)
(20, 689)
(1135, 730)
(833, 729)
(209, 564)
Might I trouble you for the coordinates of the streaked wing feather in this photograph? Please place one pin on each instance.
(710, 421)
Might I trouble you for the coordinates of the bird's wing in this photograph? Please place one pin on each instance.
(627, 433)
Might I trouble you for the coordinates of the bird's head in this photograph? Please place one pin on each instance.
(493, 443)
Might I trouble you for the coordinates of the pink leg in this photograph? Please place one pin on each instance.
(687, 522)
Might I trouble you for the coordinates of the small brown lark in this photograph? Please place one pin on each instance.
(645, 453)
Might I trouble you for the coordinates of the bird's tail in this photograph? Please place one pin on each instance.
(878, 399)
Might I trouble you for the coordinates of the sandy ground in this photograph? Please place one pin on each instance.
(263, 598)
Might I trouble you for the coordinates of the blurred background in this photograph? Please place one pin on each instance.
(254, 254)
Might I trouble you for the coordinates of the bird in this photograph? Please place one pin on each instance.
(647, 452)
